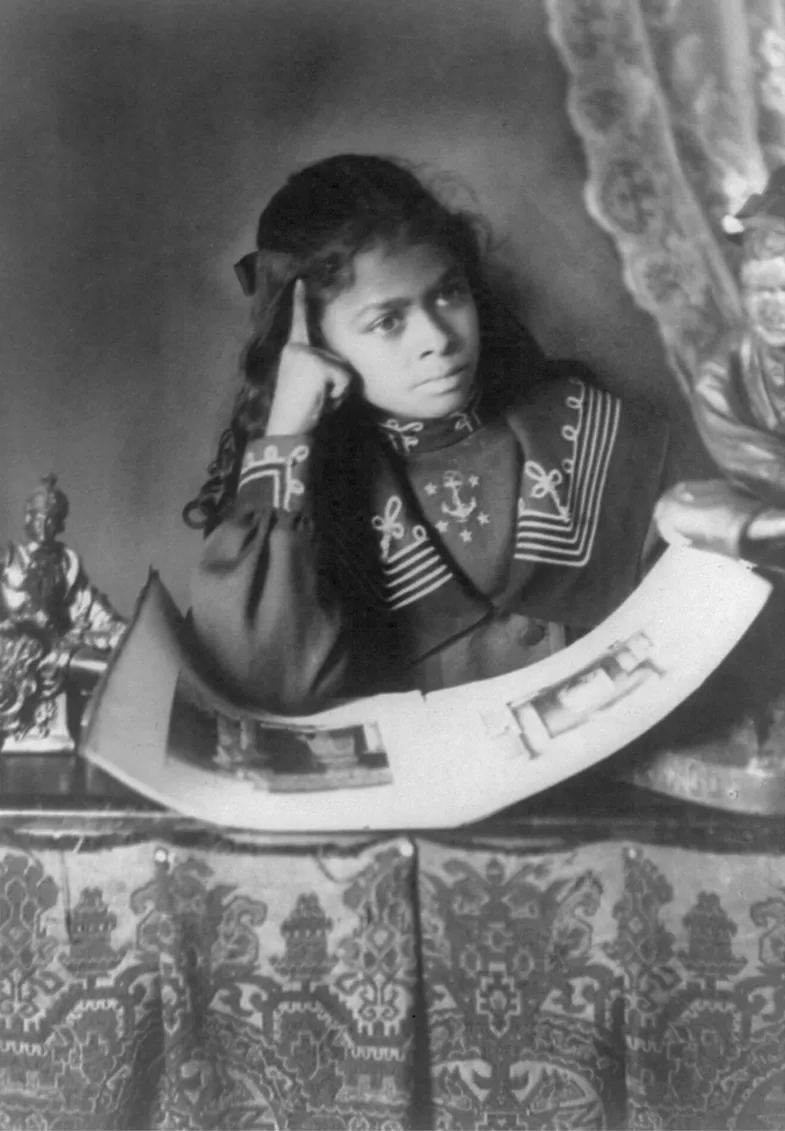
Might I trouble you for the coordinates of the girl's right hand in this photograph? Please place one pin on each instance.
(309, 379)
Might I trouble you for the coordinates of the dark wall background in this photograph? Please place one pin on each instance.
(138, 141)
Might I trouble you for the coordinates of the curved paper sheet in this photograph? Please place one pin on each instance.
(414, 761)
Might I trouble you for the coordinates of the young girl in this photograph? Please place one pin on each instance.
(396, 503)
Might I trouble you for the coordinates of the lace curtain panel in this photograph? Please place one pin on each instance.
(680, 105)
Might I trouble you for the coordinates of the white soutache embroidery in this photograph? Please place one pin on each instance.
(278, 469)
(413, 571)
(546, 483)
(567, 538)
(403, 434)
(388, 526)
(465, 421)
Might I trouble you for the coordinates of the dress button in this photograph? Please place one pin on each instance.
(532, 634)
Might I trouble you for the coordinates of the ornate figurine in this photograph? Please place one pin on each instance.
(739, 407)
(53, 623)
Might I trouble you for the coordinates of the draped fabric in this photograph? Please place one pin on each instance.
(153, 986)
(609, 986)
(680, 106)
(156, 975)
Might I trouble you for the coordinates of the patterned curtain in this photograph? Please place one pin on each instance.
(153, 975)
(680, 105)
(147, 985)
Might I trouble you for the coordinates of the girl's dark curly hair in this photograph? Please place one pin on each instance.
(312, 229)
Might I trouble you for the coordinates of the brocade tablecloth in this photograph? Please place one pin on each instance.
(573, 974)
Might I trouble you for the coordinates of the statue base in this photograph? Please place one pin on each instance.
(54, 737)
(724, 746)
(731, 774)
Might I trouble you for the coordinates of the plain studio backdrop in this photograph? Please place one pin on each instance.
(140, 141)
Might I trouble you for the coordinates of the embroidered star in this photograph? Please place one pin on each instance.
(466, 535)
(431, 488)
(474, 481)
(483, 518)
(442, 526)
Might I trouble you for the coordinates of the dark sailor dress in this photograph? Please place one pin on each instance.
(428, 553)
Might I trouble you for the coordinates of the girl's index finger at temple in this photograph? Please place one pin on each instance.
(299, 328)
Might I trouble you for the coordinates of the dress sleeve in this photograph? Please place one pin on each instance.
(262, 625)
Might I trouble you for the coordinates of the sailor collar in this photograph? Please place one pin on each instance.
(568, 516)
(409, 437)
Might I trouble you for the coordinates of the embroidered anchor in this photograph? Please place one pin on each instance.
(546, 483)
(388, 525)
(453, 481)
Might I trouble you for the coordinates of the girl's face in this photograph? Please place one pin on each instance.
(408, 327)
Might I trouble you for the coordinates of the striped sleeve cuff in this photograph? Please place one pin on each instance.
(274, 472)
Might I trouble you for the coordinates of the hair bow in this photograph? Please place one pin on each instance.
(274, 269)
(247, 271)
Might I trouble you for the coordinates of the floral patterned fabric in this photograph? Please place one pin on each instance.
(681, 110)
(608, 986)
(150, 986)
(155, 978)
